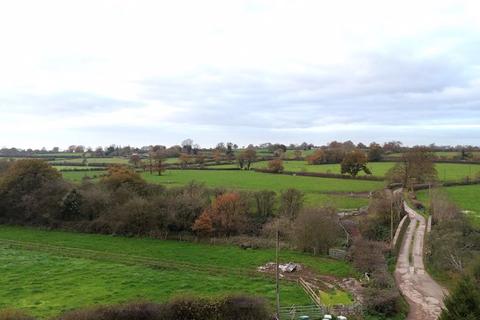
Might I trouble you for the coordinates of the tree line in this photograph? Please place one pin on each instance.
(123, 203)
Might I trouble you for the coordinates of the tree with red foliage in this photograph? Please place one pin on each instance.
(204, 224)
(228, 215)
(317, 157)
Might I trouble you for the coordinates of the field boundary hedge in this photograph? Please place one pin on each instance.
(86, 169)
(204, 168)
(390, 159)
(447, 184)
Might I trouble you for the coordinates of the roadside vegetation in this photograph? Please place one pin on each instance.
(371, 255)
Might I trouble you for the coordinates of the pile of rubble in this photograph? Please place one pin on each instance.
(284, 268)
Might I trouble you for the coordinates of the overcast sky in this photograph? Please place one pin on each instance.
(156, 72)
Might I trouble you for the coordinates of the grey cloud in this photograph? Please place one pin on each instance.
(377, 89)
(62, 103)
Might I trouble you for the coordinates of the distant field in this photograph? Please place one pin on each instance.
(446, 171)
(105, 269)
(466, 197)
(77, 176)
(457, 171)
(60, 154)
(440, 154)
(291, 153)
(316, 189)
(79, 168)
(114, 160)
(319, 191)
(314, 193)
(171, 160)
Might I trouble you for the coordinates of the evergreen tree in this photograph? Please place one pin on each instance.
(71, 205)
(464, 302)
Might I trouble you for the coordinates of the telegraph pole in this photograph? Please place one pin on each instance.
(430, 197)
(277, 272)
(391, 217)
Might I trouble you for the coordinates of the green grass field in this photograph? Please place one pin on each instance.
(77, 176)
(291, 153)
(113, 160)
(250, 180)
(318, 191)
(466, 197)
(315, 190)
(60, 154)
(440, 154)
(72, 168)
(446, 171)
(48, 272)
(335, 297)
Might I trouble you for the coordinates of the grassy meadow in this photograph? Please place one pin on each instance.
(466, 198)
(77, 176)
(111, 160)
(318, 191)
(446, 171)
(48, 272)
(440, 154)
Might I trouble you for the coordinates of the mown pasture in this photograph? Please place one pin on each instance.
(77, 168)
(446, 171)
(48, 272)
(111, 160)
(77, 176)
(440, 154)
(104, 160)
(465, 197)
(318, 191)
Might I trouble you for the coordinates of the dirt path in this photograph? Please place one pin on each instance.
(424, 295)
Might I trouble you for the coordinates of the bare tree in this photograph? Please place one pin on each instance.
(416, 166)
(317, 230)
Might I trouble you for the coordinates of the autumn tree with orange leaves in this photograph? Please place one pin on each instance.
(227, 216)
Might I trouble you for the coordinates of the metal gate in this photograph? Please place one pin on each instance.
(294, 312)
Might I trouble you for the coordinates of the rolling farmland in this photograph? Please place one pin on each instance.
(318, 191)
(47, 272)
(446, 171)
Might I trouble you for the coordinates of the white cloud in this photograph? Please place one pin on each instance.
(215, 70)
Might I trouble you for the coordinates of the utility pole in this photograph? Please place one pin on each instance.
(277, 272)
(391, 217)
(430, 197)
